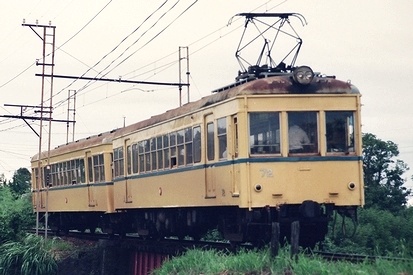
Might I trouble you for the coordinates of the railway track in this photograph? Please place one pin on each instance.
(174, 247)
(355, 258)
(170, 246)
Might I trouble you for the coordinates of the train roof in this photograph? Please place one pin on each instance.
(276, 84)
(280, 84)
(92, 141)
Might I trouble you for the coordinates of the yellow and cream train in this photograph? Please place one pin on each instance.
(281, 147)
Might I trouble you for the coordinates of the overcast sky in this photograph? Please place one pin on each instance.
(367, 42)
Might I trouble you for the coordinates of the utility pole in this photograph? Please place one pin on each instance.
(48, 37)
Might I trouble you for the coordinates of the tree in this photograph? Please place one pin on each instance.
(16, 214)
(383, 175)
(20, 184)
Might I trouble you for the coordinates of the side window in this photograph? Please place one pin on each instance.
(340, 132)
(117, 163)
(264, 133)
(210, 141)
(70, 170)
(141, 156)
(96, 168)
(135, 158)
(181, 150)
(302, 132)
(197, 144)
(99, 166)
(129, 159)
(46, 175)
(59, 174)
(147, 156)
(82, 170)
(172, 144)
(53, 180)
(154, 162)
(64, 173)
(90, 169)
(159, 151)
(235, 135)
(102, 167)
(166, 150)
(77, 171)
(222, 137)
(188, 146)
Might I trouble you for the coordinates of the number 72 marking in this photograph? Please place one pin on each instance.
(266, 173)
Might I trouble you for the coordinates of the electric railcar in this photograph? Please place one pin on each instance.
(277, 148)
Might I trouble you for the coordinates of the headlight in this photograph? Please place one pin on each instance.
(303, 75)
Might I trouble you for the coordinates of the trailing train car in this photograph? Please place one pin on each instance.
(73, 184)
(281, 148)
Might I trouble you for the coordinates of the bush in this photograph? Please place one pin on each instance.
(16, 215)
(379, 232)
(30, 256)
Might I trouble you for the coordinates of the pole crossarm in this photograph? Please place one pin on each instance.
(37, 118)
(114, 80)
(32, 26)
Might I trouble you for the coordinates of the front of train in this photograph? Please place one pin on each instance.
(304, 158)
(302, 162)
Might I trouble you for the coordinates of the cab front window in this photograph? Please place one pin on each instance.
(302, 132)
(264, 133)
(340, 132)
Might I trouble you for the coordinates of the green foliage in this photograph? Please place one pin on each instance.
(20, 183)
(383, 175)
(260, 262)
(16, 214)
(30, 256)
(215, 262)
(379, 232)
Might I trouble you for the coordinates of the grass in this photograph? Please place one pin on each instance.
(31, 255)
(34, 255)
(260, 262)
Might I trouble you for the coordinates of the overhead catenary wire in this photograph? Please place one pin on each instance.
(58, 48)
(63, 101)
(163, 66)
(137, 40)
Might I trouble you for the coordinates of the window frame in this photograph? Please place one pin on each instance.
(268, 139)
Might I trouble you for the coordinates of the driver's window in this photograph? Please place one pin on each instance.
(302, 132)
(340, 132)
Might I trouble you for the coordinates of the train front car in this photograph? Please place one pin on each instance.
(300, 155)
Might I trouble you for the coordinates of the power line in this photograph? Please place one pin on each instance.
(164, 66)
(19, 74)
(116, 47)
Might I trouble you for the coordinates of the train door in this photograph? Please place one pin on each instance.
(209, 148)
(233, 154)
(89, 179)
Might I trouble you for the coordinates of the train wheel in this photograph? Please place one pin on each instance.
(311, 234)
(62, 231)
(92, 229)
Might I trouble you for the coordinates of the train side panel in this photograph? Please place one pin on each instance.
(206, 183)
(77, 192)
